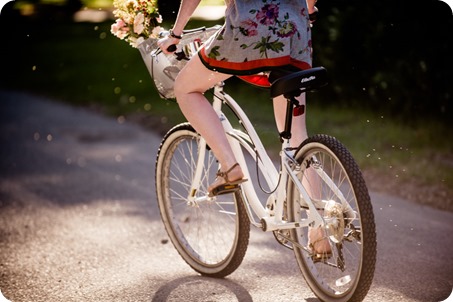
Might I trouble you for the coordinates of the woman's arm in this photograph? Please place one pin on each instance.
(185, 12)
(311, 6)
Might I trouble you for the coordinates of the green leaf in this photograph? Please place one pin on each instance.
(214, 53)
(275, 46)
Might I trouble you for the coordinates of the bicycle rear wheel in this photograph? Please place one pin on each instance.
(331, 176)
(211, 235)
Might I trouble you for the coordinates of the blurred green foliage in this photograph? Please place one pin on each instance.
(391, 56)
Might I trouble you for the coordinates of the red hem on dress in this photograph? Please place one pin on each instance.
(250, 66)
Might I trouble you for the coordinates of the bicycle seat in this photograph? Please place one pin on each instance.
(295, 83)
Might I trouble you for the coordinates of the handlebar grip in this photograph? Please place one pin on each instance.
(171, 48)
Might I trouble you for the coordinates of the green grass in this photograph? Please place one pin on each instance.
(378, 142)
(381, 143)
(85, 65)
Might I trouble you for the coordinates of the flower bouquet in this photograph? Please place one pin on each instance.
(137, 20)
(138, 23)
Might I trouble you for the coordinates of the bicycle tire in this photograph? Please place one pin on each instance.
(212, 236)
(346, 273)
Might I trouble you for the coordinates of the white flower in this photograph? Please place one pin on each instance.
(138, 23)
(132, 41)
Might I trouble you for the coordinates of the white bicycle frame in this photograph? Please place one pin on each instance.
(270, 217)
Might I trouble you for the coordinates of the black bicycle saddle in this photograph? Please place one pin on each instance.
(293, 84)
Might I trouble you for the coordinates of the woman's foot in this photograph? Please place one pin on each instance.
(318, 241)
(227, 181)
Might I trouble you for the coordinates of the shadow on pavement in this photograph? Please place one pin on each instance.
(198, 288)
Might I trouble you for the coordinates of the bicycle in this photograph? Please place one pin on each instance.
(212, 233)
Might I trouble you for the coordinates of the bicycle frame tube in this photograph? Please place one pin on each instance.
(239, 141)
(267, 168)
(198, 170)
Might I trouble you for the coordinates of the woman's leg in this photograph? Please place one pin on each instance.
(311, 181)
(190, 84)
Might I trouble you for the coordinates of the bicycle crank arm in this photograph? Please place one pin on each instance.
(268, 224)
(294, 243)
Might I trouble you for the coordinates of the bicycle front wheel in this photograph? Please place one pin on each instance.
(341, 266)
(210, 235)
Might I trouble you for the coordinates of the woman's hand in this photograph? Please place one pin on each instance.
(312, 10)
(166, 42)
(311, 6)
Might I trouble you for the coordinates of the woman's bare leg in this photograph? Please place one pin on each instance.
(311, 181)
(193, 80)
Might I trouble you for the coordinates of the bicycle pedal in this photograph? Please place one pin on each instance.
(224, 189)
(321, 257)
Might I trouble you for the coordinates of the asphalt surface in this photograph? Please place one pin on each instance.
(79, 222)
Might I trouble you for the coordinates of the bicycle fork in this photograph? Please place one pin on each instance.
(196, 181)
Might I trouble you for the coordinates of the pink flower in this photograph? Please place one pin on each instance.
(138, 23)
(252, 33)
(119, 29)
(120, 23)
(268, 14)
(248, 28)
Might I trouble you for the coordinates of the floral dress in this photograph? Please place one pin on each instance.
(259, 35)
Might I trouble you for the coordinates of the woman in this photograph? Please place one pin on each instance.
(257, 36)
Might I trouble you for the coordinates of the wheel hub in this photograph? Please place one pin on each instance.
(333, 215)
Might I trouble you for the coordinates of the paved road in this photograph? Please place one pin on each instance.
(79, 222)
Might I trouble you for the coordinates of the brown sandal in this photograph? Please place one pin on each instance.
(228, 186)
(322, 253)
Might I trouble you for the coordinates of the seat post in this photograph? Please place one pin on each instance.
(290, 103)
